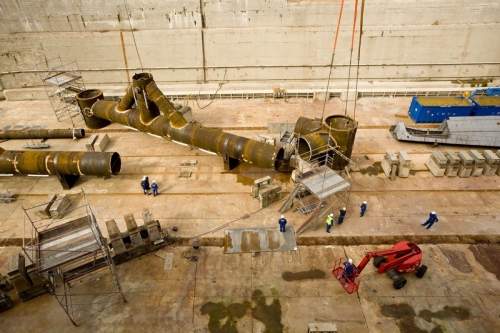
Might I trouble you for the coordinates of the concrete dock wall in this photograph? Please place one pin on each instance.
(194, 41)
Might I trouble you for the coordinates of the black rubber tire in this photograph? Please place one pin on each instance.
(379, 261)
(421, 271)
(399, 282)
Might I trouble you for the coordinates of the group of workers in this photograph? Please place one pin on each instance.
(145, 186)
(330, 219)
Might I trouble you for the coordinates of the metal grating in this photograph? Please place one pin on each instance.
(323, 182)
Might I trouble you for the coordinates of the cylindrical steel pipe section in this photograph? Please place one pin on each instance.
(305, 126)
(148, 110)
(42, 133)
(85, 100)
(64, 162)
(315, 144)
(343, 128)
(173, 125)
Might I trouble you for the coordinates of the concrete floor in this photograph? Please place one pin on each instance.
(273, 291)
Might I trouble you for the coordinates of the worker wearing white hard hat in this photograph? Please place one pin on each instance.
(432, 219)
(330, 221)
(364, 205)
(282, 223)
(154, 186)
(348, 269)
(343, 210)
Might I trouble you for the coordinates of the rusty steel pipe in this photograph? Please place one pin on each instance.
(62, 162)
(344, 129)
(173, 125)
(315, 144)
(42, 133)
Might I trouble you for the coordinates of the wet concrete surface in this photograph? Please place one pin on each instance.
(279, 292)
(272, 291)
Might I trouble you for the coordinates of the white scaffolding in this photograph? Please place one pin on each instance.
(62, 82)
(319, 190)
(71, 254)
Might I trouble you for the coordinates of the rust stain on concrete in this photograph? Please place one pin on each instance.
(250, 241)
(273, 239)
(488, 256)
(457, 260)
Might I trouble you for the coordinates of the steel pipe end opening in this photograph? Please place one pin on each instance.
(115, 164)
(86, 99)
(305, 150)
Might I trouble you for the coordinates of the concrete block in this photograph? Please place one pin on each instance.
(259, 184)
(388, 162)
(152, 225)
(115, 237)
(133, 230)
(59, 206)
(491, 163)
(478, 165)
(44, 210)
(101, 143)
(404, 162)
(269, 195)
(466, 164)
(437, 164)
(90, 142)
(452, 164)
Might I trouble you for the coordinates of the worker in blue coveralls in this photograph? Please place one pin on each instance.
(330, 220)
(432, 218)
(348, 269)
(145, 185)
(154, 186)
(282, 222)
(343, 210)
(363, 208)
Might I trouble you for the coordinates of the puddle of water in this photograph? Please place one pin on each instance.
(405, 316)
(372, 170)
(224, 318)
(247, 173)
(312, 274)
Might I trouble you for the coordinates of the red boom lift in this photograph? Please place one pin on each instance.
(404, 257)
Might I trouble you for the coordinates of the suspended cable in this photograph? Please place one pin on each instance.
(350, 58)
(359, 54)
(132, 31)
(333, 57)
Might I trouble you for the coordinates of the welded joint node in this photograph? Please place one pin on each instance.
(88, 112)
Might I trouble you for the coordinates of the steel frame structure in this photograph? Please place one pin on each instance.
(320, 189)
(62, 81)
(71, 254)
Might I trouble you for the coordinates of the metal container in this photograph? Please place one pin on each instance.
(486, 105)
(437, 109)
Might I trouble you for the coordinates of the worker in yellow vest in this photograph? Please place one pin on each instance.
(330, 220)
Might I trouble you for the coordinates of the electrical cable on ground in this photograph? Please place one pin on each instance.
(227, 223)
(333, 57)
